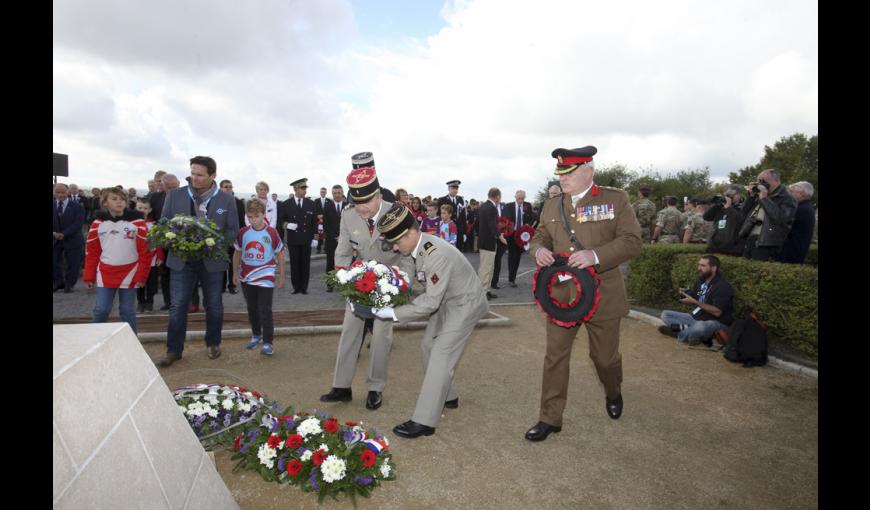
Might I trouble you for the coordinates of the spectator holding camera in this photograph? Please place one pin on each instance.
(713, 299)
(768, 215)
(797, 244)
(724, 214)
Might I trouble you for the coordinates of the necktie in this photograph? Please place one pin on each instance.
(371, 223)
(59, 212)
(519, 214)
(299, 201)
(338, 207)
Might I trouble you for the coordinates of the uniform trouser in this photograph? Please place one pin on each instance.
(603, 349)
(496, 272)
(645, 235)
(300, 266)
(259, 301)
(350, 345)
(145, 295)
(331, 245)
(515, 254)
(485, 268)
(442, 346)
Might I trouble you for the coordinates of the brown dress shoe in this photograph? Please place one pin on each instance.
(169, 359)
(214, 351)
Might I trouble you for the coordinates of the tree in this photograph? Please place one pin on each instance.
(796, 157)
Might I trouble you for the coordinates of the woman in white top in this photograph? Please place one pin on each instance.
(271, 206)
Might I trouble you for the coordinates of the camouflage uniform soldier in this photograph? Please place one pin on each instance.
(697, 231)
(668, 224)
(645, 211)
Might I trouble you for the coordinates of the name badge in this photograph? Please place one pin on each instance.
(722, 223)
(221, 211)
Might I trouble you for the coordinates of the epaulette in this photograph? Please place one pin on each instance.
(429, 247)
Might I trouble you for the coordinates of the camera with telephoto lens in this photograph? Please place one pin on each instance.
(717, 200)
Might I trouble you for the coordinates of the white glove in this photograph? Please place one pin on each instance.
(292, 226)
(385, 313)
(314, 243)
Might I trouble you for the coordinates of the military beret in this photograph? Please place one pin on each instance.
(570, 159)
(454, 183)
(645, 189)
(299, 182)
(395, 223)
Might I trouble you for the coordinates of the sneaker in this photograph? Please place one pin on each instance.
(267, 349)
(254, 341)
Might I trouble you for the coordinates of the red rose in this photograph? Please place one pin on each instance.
(257, 394)
(237, 442)
(273, 441)
(318, 458)
(294, 441)
(351, 423)
(294, 467)
(331, 425)
(368, 458)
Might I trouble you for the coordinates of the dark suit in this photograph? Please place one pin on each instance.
(470, 221)
(228, 276)
(319, 207)
(514, 251)
(458, 217)
(157, 199)
(298, 241)
(70, 224)
(331, 225)
(488, 226)
(500, 249)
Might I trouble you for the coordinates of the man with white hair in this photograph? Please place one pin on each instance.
(796, 245)
(768, 216)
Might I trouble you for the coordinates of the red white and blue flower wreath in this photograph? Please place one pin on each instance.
(584, 305)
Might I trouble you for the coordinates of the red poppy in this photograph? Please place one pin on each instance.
(318, 458)
(257, 394)
(595, 190)
(294, 467)
(331, 425)
(367, 283)
(368, 458)
(351, 423)
(294, 441)
(273, 441)
(237, 442)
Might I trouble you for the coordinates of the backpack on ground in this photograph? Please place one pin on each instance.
(748, 342)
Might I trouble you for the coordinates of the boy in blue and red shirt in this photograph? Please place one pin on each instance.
(259, 251)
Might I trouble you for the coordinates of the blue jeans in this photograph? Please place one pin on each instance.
(126, 305)
(694, 329)
(181, 285)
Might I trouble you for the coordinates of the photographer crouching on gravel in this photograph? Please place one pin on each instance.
(768, 215)
(713, 299)
(724, 213)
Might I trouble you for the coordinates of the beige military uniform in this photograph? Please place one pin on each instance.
(670, 221)
(453, 304)
(701, 230)
(615, 237)
(354, 237)
(645, 211)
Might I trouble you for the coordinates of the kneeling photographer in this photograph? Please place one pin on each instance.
(725, 213)
(768, 215)
(713, 299)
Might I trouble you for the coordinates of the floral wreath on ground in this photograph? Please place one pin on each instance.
(317, 453)
(217, 411)
(368, 285)
(190, 238)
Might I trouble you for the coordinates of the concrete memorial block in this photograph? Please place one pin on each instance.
(119, 440)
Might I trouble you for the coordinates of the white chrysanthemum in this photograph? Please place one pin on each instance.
(333, 469)
(306, 456)
(386, 298)
(227, 404)
(308, 427)
(372, 264)
(212, 412)
(385, 468)
(323, 447)
(244, 407)
(342, 276)
(267, 455)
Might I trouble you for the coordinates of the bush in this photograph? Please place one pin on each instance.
(649, 274)
(785, 296)
(812, 255)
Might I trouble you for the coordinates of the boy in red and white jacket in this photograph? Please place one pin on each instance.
(145, 295)
(116, 257)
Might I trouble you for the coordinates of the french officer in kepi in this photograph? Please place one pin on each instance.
(357, 232)
(605, 225)
(453, 303)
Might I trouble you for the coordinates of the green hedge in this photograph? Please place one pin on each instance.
(649, 274)
(785, 296)
(812, 255)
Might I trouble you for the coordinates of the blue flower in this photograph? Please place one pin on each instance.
(312, 480)
(348, 435)
(281, 464)
(364, 480)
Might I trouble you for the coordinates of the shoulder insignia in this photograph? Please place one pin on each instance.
(434, 278)
(429, 247)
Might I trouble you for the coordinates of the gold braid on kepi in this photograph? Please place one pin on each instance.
(395, 223)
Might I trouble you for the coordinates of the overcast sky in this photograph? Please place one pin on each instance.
(480, 91)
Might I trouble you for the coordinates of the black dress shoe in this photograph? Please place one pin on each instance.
(452, 404)
(540, 431)
(57, 288)
(496, 287)
(296, 291)
(337, 395)
(305, 292)
(68, 290)
(233, 290)
(490, 295)
(412, 429)
(614, 407)
(666, 330)
(374, 400)
(512, 284)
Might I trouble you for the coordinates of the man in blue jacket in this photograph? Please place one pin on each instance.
(67, 240)
(201, 198)
(797, 244)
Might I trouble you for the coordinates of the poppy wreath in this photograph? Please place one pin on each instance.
(584, 305)
(505, 226)
(523, 236)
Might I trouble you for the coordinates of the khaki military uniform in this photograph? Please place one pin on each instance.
(701, 230)
(354, 239)
(453, 303)
(670, 221)
(645, 211)
(615, 237)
